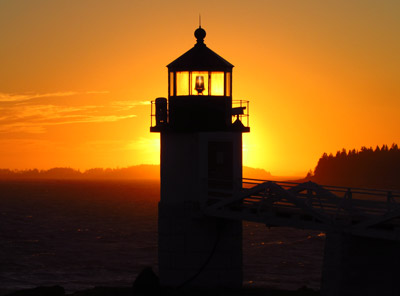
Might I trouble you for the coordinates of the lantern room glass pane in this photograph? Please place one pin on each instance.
(182, 83)
(217, 83)
(199, 83)
(171, 83)
(228, 84)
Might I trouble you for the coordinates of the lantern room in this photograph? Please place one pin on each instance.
(199, 83)
(200, 72)
(199, 93)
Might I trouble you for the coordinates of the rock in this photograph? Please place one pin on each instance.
(105, 291)
(147, 283)
(40, 291)
(305, 291)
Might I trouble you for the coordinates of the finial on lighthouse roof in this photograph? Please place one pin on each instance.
(200, 33)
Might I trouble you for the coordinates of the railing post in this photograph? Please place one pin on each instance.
(151, 113)
(349, 203)
(309, 197)
(205, 191)
(389, 201)
(248, 113)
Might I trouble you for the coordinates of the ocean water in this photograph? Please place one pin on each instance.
(81, 234)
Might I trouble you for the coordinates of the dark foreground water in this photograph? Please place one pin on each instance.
(81, 234)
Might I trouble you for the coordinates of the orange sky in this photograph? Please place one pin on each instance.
(76, 77)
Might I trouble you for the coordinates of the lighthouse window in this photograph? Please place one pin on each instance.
(199, 83)
(171, 83)
(228, 84)
(220, 160)
(182, 83)
(217, 83)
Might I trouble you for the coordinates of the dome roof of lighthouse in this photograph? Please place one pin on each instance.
(200, 58)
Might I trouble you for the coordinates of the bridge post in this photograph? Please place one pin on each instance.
(360, 266)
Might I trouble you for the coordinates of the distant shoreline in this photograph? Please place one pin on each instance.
(139, 172)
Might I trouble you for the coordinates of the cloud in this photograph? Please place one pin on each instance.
(20, 113)
(7, 97)
(34, 119)
(85, 119)
(25, 144)
(144, 144)
(97, 92)
(22, 128)
(131, 104)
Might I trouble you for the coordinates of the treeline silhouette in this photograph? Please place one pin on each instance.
(132, 172)
(379, 168)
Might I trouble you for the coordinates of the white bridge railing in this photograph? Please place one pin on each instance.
(365, 212)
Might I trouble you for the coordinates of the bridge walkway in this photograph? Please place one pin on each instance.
(363, 212)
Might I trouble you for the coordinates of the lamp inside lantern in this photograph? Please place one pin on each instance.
(199, 86)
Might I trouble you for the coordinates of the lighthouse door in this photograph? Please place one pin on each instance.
(220, 164)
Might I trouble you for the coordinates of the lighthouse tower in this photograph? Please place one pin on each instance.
(201, 162)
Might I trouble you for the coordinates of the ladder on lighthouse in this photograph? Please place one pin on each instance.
(362, 212)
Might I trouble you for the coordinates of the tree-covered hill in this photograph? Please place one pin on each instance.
(367, 167)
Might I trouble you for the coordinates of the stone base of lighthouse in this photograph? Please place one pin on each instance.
(198, 251)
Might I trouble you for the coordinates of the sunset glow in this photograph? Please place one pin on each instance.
(77, 77)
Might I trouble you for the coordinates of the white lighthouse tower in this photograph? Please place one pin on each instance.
(201, 162)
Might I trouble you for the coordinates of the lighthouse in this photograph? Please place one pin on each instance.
(200, 130)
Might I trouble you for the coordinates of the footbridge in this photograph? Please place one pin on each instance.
(362, 227)
(358, 211)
